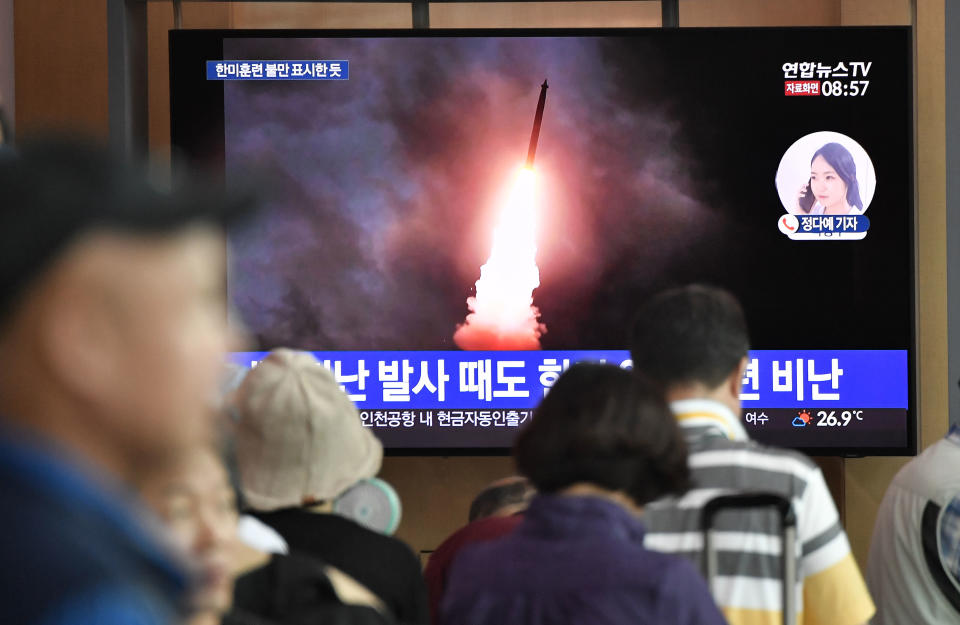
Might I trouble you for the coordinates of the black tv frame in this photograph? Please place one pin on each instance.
(191, 117)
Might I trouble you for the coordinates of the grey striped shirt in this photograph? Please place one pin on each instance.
(724, 460)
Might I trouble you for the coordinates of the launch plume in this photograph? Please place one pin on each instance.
(502, 315)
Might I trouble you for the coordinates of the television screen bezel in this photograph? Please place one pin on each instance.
(196, 112)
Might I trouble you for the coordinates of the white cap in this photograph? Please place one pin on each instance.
(299, 437)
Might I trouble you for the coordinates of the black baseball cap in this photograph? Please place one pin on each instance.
(54, 190)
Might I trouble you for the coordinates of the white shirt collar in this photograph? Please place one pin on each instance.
(707, 412)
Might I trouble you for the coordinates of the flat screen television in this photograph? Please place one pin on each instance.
(452, 217)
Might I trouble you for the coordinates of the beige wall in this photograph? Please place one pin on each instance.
(759, 13)
(544, 14)
(61, 78)
(436, 493)
(60, 55)
(875, 12)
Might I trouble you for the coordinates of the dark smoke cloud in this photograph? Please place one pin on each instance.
(385, 187)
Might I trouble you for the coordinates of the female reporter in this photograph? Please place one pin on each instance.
(833, 188)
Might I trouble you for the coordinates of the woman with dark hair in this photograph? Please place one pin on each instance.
(832, 188)
(600, 446)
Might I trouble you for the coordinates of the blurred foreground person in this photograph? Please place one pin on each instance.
(300, 446)
(112, 331)
(495, 512)
(914, 566)
(600, 446)
(692, 342)
(195, 500)
(198, 504)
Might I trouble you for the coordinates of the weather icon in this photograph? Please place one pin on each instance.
(802, 419)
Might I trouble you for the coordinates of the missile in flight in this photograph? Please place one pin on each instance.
(535, 133)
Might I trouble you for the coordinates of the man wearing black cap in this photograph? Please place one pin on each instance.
(112, 331)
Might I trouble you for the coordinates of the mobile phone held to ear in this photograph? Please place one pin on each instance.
(806, 199)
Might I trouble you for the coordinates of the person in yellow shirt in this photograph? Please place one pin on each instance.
(693, 343)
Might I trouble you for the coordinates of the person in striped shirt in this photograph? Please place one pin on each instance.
(693, 342)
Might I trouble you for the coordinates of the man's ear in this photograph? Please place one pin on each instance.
(77, 340)
(735, 381)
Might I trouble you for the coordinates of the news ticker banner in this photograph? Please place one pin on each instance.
(517, 380)
(316, 69)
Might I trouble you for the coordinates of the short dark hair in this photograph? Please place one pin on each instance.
(499, 495)
(602, 425)
(690, 334)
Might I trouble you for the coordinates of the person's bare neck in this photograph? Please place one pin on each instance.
(246, 558)
(36, 397)
(85, 444)
(319, 507)
(205, 618)
(31, 403)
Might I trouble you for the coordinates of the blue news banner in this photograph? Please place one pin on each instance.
(479, 399)
(827, 224)
(316, 69)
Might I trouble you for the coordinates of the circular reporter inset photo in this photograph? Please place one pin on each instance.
(826, 173)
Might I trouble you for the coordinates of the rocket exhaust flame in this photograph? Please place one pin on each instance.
(502, 315)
